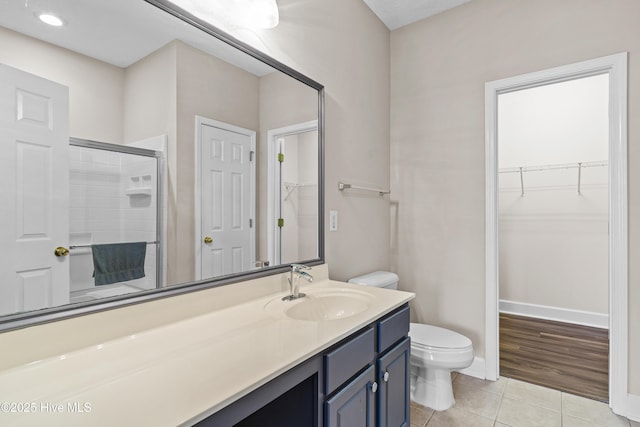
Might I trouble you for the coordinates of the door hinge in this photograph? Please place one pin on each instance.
(280, 222)
(280, 157)
(250, 222)
(251, 155)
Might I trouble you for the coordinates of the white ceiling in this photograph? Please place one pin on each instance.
(398, 13)
(119, 32)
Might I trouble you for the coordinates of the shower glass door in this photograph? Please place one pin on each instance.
(114, 201)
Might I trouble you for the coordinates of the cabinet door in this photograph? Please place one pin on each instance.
(393, 395)
(354, 405)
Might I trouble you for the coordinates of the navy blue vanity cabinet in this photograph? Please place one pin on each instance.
(376, 364)
(354, 404)
(394, 352)
(393, 390)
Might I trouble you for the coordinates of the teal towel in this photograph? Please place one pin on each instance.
(118, 262)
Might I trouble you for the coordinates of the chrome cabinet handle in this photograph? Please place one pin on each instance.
(385, 377)
(374, 387)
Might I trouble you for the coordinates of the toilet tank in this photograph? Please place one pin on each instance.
(379, 279)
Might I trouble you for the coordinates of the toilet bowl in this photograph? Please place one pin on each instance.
(435, 352)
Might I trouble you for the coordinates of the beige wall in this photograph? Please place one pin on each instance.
(438, 70)
(343, 45)
(216, 90)
(91, 83)
(150, 110)
(164, 93)
(307, 197)
(554, 242)
(283, 102)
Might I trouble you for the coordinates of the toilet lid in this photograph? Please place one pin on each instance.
(433, 336)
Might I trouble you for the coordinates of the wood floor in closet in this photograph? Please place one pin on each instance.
(562, 356)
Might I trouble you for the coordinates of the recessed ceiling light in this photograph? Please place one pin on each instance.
(53, 20)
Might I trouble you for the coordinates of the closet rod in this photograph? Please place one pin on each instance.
(554, 167)
(579, 165)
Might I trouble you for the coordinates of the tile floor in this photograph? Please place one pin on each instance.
(513, 403)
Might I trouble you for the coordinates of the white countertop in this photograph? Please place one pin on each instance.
(177, 374)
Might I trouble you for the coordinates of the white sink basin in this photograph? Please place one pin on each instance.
(323, 304)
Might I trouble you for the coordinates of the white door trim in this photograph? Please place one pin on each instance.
(273, 180)
(616, 67)
(200, 121)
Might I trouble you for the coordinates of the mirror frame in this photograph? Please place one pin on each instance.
(53, 314)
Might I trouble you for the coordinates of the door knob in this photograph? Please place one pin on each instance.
(61, 251)
(208, 240)
(374, 387)
(385, 377)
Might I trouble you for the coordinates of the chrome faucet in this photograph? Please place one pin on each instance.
(297, 271)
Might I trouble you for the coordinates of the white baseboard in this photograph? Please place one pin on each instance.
(633, 407)
(587, 318)
(476, 369)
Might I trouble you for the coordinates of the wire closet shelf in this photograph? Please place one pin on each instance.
(539, 168)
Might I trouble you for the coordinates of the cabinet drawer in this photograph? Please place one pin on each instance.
(348, 359)
(393, 329)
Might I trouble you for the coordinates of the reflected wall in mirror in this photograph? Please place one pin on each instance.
(293, 186)
(141, 155)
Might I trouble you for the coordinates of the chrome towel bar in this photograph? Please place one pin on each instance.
(343, 186)
(89, 245)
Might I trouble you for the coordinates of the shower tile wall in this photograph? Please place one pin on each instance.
(102, 212)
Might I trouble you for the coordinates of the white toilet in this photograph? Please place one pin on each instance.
(435, 352)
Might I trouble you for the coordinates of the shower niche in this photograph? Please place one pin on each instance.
(140, 186)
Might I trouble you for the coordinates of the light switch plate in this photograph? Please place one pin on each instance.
(333, 220)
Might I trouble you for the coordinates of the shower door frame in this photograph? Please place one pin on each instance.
(616, 67)
(126, 149)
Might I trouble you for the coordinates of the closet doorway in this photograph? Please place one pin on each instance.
(556, 218)
(553, 222)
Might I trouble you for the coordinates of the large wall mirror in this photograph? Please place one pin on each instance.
(145, 154)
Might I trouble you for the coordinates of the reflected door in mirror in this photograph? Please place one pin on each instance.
(34, 131)
(227, 199)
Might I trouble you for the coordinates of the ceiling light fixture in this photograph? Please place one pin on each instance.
(262, 13)
(50, 19)
(256, 14)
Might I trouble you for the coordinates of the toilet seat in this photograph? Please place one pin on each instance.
(440, 339)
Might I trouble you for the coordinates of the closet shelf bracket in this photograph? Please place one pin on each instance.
(579, 176)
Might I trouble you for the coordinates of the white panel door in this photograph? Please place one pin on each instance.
(34, 134)
(226, 205)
